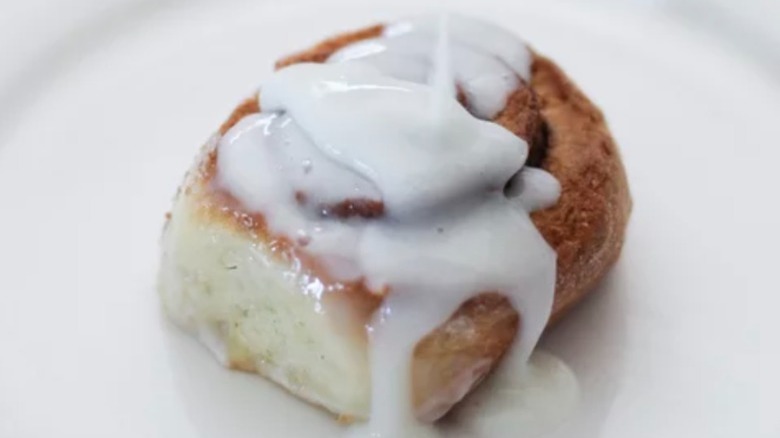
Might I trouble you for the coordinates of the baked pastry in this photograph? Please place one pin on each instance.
(257, 291)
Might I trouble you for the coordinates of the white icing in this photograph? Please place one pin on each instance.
(360, 130)
(486, 60)
(534, 188)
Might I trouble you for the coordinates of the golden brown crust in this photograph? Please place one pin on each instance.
(587, 225)
(569, 138)
(522, 116)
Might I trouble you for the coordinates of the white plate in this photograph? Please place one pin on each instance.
(97, 130)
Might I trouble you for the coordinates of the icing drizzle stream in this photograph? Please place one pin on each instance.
(441, 78)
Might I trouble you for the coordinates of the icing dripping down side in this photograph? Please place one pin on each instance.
(449, 231)
(361, 130)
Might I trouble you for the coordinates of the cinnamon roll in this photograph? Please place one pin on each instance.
(396, 210)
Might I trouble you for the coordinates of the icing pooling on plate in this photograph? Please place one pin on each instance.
(487, 61)
(351, 130)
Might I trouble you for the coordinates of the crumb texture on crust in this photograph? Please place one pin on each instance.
(587, 225)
